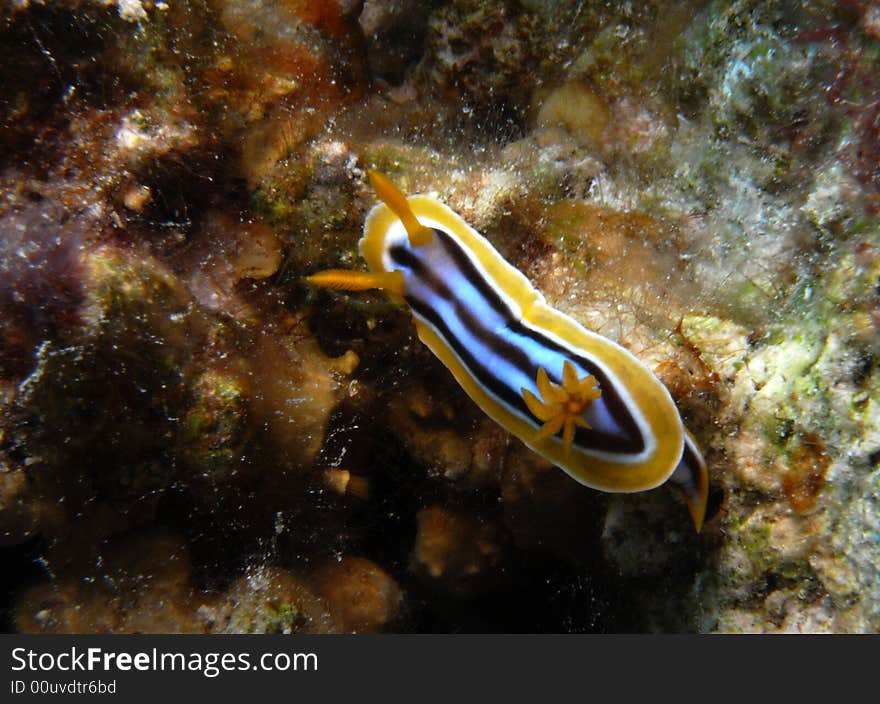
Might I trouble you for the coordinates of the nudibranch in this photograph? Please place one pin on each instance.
(578, 399)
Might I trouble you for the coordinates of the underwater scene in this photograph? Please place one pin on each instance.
(439, 316)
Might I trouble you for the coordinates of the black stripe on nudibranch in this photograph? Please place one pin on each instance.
(630, 442)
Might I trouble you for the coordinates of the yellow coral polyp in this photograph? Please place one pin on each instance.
(563, 406)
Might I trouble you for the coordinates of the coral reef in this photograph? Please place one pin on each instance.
(363, 596)
(136, 594)
(194, 440)
(144, 586)
(458, 553)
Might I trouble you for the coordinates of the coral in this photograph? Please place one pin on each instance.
(90, 419)
(121, 592)
(141, 584)
(805, 478)
(225, 253)
(362, 596)
(323, 194)
(599, 250)
(798, 456)
(450, 441)
(476, 52)
(395, 34)
(130, 399)
(270, 600)
(456, 552)
(580, 111)
(19, 518)
(284, 68)
(216, 427)
(298, 389)
(40, 282)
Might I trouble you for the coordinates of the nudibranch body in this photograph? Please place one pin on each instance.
(579, 399)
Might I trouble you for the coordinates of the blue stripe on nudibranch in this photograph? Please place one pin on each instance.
(598, 412)
(491, 341)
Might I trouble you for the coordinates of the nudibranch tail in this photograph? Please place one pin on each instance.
(691, 477)
(345, 280)
(418, 234)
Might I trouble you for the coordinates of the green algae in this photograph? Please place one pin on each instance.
(216, 426)
(280, 618)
